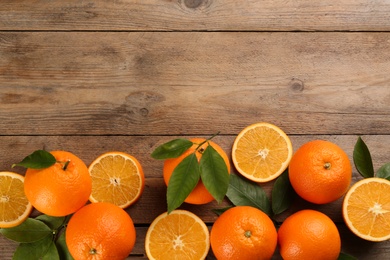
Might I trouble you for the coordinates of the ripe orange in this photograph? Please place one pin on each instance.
(366, 209)
(178, 235)
(117, 178)
(56, 191)
(261, 152)
(14, 206)
(244, 233)
(199, 194)
(100, 231)
(307, 235)
(320, 172)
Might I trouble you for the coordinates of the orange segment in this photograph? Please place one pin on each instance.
(179, 235)
(366, 209)
(261, 152)
(117, 178)
(14, 206)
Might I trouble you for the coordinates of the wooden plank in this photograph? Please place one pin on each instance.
(187, 15)
(112, 83)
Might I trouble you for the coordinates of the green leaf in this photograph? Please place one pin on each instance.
(63, 248)
(384, 171)
(29, 231)
(184, 178)
(171, 149)
(39, 159)
(43, 249)
(214, 173)
(362, 159)
(283, 194)
(243, 192)
(53, 223)
(344, 256)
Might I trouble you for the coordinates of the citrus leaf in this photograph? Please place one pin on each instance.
(344, 256)
(39, 159)
(214, 173)
(63, 248)
(171, 149)
(283, 194)
(29, 231)
(184, 178)
(384, 171)
(53, 223)
(43, 249)
(362, 159)
(243, 192)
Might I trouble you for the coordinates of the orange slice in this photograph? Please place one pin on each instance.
(261, 152)
(117, 178)
(14, 206)
(179, 235)
(366, 209)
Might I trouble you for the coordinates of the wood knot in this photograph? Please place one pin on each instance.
(296, 85)
(193, 3)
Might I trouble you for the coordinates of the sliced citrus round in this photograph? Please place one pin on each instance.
(366, 209)
(177, 235)
(14, 205)
(261, 152)
(117, 178)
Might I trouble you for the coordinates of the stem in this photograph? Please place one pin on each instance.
(205, 141)
(65, 164)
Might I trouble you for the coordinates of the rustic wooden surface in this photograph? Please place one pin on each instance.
(94, 76)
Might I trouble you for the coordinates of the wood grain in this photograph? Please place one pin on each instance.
(196, 15)
(113, 83)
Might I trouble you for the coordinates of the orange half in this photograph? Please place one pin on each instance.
(117, 178)
(366, 209)
(261, 152)
(14, 205)
(179, 235)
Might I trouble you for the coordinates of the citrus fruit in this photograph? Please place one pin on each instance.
(261, 152)
(199, 194)
(309, 234)
(244, 233)
(178, 235)
(117, 178)
(320, 171)
(14, 206)
(60, 189)
(100, 231)
(366, 209)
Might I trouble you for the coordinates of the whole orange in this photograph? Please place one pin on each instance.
(307, 235)
(320, 172)
(243, 233)
(199, 194)
(60, 189)
(100, 231)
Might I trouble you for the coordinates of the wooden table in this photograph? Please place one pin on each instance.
(94, 76)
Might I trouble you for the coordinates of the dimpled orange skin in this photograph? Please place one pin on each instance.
(100, 231)
(199, 194)
(320, 172)
(308, 235)
(57, 192)
(243, 233)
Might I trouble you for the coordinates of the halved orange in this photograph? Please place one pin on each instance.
(14, 206)
(366, 209)
(178, 235)
(261, 152)
(117, 178)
